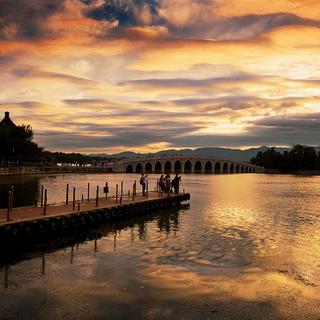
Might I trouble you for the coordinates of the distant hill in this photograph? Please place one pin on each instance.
(223, 153)
(126, 154)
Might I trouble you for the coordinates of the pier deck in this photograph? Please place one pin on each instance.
(60, 209)
(28, 225)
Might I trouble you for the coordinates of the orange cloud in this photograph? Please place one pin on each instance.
(303, 8)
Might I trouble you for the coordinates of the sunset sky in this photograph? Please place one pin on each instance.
(144, 75)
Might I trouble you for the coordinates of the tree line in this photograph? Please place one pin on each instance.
(298, 158)
(17, 148)
(69, 158)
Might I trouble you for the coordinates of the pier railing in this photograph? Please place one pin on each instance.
(74, 202)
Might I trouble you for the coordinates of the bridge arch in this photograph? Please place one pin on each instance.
(186, 164)
(225, 168)
(139, 168)
(217, 167)
(198, 167)
(208, 167)
(158, 167)
(148, 168)
(188, 167)
(168, 167)
(129, 168)
(178, 167)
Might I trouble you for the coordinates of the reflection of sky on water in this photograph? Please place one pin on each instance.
(248, 247)
(25, 190)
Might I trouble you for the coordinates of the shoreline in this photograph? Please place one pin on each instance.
(297, 173)
(30, 171)
(17, 171)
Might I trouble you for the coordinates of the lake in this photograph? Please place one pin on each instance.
(247, 247)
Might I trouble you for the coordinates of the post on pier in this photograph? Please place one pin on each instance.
(97, 197)
(41, 196)
(74, 199)
(121, 191)
(117, 191)
(8, 210)
(45, 202)
(67, 195)
(11, 199)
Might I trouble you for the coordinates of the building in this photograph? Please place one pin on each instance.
(6, 122)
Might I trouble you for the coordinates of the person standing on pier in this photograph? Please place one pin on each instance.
(168, 183)
(143, 183)
(162, 183)
(176, 183)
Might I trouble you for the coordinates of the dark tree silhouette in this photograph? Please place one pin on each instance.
(17, 147)
(70, 158)
(298, 158)
(16, 142)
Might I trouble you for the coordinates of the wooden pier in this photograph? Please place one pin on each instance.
(30, 224)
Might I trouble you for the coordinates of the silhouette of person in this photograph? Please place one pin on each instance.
(176, 183)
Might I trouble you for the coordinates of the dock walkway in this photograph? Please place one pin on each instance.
(59, 209)
(28, 225)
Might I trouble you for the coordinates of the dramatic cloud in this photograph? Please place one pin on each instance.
(26, 19)
(113, 75)
(127, 13)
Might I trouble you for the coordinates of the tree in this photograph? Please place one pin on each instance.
(298, 158)
(17, 144)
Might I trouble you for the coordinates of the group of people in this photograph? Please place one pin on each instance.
(165, 183)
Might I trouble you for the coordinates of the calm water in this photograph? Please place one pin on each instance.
(248, 247)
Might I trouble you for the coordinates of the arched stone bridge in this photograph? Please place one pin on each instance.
(183, 164)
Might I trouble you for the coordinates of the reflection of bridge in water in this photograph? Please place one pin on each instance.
(183, 164)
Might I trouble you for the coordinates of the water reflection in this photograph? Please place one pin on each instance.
(137, 226)
(247, 248)
(26, 190)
